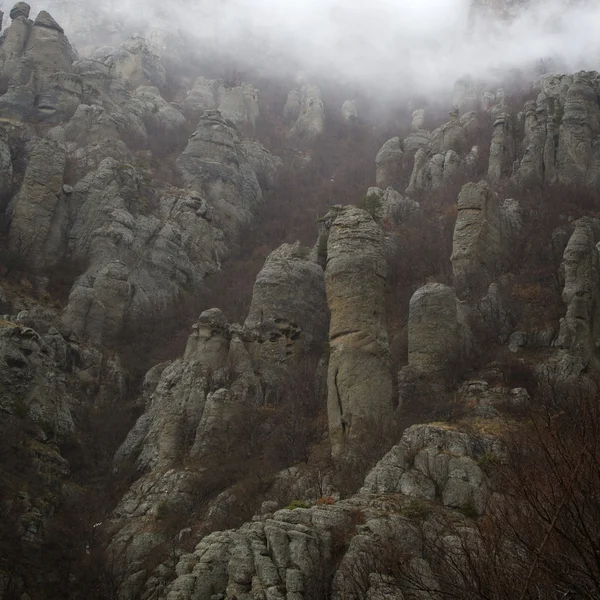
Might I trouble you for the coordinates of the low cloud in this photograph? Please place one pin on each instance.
(391, 46)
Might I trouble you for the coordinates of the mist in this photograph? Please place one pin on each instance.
(387, 46)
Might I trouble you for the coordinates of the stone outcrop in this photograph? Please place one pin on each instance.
(359, 379)
(39, 212)
(562, 130)
(485, 236)
(266, 165)
(134, 63)
(389, 164)
(214, 163)
(33, 376)
(98, 304)
(445, 154)
(291, 553)
(289, 295)
(350, 111)
(502, 149)
(580, 328)
(438, 332)
(236, 103)
(310, 122)
(390, 205)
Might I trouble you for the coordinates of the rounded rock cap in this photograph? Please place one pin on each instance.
(20, 9)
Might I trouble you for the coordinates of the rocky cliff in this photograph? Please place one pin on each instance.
(232, 367)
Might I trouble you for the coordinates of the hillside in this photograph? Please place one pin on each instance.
(273, 332)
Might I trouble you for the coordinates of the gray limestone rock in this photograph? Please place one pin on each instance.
(579, 329)
(389, 164)
(135, 64)
(39, 212)
(289, 295)
(562, 132)
(20, 9)
(350, 111)
(359, 379)
(202, 96)
(502, 149)
(477, 246)
(33, 381)
(266, 165)
(161, 119)
(291, 110)
(310, 122)
(439, 337)
(98, 304)
(6, 171)
(239, 104)
(445, 154)
(214, 163)
(486, 236)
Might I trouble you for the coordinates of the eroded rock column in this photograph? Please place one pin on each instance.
(359, 379)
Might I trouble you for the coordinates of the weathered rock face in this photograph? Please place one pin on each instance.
(485, 236)
(580, 328)
(477, 243)
(39, 211)
(390, 205)
(502, 149)
(439, 337)
(562, 132)
(289, 296)
(161, 119)
(33, 376)
(445, 155)
(310, 121)
(359, 380)
(350, 111)
(266, 166)
(134, 63)
(98, 304)
(238, 103)
(389, 164)
(291, 552)
(166, 431)
(35, 58)
(435, 462)
(214, 163)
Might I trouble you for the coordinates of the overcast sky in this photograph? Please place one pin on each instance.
(421, 45)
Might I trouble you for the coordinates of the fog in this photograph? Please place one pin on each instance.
(387, 46)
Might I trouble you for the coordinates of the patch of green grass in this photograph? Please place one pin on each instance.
(294, 504)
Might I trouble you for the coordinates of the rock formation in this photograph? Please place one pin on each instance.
(485, 236)
(389, 164)
(561, 132)
(306, 106)
(579, 331)
(446, 154)
(438, 332)
(359, 380)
